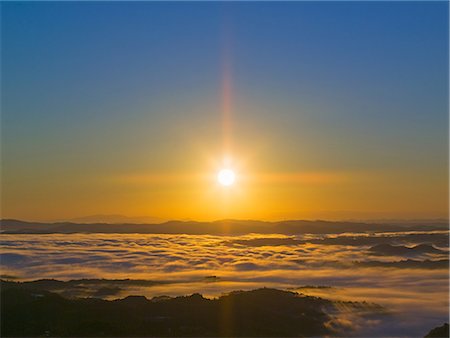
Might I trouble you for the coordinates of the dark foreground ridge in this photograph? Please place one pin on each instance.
(266, 312)
(439, 332)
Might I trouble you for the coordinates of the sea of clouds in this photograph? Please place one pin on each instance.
(412, 286)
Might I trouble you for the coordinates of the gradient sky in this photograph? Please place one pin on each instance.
(324, 110)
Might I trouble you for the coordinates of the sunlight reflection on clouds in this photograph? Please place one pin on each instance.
(244, 262)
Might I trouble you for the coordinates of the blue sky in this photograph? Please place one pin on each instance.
(95, 89)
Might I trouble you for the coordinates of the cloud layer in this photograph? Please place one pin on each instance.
(347, 262)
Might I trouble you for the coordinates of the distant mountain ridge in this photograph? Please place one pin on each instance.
(221, 227)
(108, 218)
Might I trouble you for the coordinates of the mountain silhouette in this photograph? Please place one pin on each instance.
(222, 227)
(439, 332)
(27, 311)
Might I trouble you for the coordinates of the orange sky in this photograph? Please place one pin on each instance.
(137, 118)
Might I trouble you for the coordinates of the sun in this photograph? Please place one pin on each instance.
(226, 177)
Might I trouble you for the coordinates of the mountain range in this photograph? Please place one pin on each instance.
(220, 227)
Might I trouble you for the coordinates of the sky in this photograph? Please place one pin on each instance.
(332, 110)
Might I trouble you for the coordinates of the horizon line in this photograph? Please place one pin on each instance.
(378, 220)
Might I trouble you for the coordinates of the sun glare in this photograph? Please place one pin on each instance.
(226, 177)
